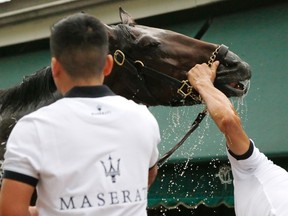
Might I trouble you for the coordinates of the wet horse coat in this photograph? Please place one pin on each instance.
(168, 53)
(141, 49)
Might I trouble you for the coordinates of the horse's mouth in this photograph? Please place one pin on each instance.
(233, 76)
(231, 83)
(238, 88)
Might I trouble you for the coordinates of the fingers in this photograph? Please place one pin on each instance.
(213, 70)
(205, 68)
(202, 73)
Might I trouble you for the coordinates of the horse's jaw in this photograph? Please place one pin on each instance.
(233, 76)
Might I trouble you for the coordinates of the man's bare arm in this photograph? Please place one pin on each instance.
(152, 175)
(219, 107)
(15, 198)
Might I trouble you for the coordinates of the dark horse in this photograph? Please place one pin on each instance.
(150, 68)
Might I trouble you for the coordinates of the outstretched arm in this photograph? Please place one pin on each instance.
(201, 77)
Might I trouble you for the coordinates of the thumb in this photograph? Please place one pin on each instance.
(215, 65)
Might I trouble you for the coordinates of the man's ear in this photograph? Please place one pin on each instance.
(55, 66)
(108, 65)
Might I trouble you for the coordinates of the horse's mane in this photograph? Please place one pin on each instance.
(35, 91)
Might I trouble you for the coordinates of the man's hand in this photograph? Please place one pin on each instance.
(202, 74)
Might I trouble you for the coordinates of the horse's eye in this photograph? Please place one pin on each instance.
(154, 44)
(148, 42)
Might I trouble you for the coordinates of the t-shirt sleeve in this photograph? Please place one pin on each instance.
(22, 156)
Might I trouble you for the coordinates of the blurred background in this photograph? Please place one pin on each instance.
(197, 179)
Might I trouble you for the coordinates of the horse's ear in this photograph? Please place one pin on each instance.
(126, 18)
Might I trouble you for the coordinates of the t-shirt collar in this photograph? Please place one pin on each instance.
(89, 91)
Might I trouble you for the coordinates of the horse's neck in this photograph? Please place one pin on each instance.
(23, 97)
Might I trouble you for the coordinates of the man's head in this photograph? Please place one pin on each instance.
(79, 46)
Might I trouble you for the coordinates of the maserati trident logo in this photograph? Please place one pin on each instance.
(110, 169)
(225, 175)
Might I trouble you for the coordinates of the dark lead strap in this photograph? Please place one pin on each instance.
(195, 124)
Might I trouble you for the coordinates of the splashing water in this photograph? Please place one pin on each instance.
(176, 123)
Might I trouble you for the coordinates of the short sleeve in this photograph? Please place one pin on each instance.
(23, 149)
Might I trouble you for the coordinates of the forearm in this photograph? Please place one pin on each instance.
(226, 118)
(218, 105)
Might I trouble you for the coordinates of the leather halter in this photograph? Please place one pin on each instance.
(183, 88)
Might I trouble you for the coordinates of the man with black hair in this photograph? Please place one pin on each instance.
(86, 154)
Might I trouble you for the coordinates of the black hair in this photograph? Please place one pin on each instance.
(80, 43)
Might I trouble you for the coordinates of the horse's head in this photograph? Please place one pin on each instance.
(150, 64)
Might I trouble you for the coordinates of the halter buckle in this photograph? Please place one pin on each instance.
(185, 89)
(119, 57)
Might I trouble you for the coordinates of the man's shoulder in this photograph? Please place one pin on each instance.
(43, 111)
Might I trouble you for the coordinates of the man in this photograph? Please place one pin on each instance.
(260, 187)
(86, 154)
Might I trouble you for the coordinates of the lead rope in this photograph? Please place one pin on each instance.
(195, 124)
(198, 119)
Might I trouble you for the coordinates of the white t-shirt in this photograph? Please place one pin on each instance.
(91, 154)
(260, 187)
